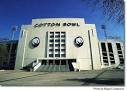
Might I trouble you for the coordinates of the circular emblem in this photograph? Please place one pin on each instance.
(35, 41)
(78, 41)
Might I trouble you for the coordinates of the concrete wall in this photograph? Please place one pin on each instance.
(27, 54)
(115, 53)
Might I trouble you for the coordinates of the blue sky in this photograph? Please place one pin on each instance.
(18, 12)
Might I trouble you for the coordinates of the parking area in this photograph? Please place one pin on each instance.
(83, 78)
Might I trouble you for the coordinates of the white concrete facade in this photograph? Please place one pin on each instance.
(112, 53)
(59, 39)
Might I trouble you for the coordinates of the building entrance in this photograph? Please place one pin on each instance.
(56, 65)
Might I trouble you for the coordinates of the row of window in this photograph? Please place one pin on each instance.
(57, 55)
(57, 44)
(57, 36)
(111, 54)
(120, 53)
(57, 49)
(103, 46)
(57, 40)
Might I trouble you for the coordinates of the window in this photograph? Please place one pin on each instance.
(50, 49)
(62, 36)
(103, 46)
(50, 55)
(51, 45)
(105, 57)
(112, 62)
(121, 61)
(63, 45)
(118, 46)
(57, 55)
(62, 55)
(57, 40)
(63, 40)
(51, 36)
(62, 49)
(111, 55)
(110, 47)
(51, 33)
(57, 36)
(57, 45)
(111, 58)
(51, 40)
(104, 54)
(57, 49)
(119, 52)
(105, 61)
(121, 56)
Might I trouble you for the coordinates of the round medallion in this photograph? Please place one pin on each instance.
(35, 41)
(78, 41)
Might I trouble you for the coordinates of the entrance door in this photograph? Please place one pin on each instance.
(56, 65)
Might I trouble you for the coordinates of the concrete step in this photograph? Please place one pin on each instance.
(53, 68)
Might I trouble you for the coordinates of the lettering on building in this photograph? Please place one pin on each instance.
(56, 25)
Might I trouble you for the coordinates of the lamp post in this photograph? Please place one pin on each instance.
(14, 28)
(103, 27)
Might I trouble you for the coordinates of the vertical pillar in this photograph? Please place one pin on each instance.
(60, 45)
(109, 63)
(54, 44)
(90, 50)
(59, 64)
(66, 62)
(65, 43)
(48, 44)
(54, 65)
(24, 48)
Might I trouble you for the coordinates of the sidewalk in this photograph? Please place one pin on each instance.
(83, 78)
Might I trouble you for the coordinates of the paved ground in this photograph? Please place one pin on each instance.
(85, 78)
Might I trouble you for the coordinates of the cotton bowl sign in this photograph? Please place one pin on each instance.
(56, 25)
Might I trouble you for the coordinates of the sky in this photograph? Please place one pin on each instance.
(20, 12)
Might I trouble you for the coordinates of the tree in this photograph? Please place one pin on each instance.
(112, 9)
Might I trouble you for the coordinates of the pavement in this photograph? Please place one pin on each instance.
(84, 78)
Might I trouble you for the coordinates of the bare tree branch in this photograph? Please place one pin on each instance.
(112, 9)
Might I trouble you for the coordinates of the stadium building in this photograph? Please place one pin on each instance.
(66, 44)
(58, 44)
(8, 49)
